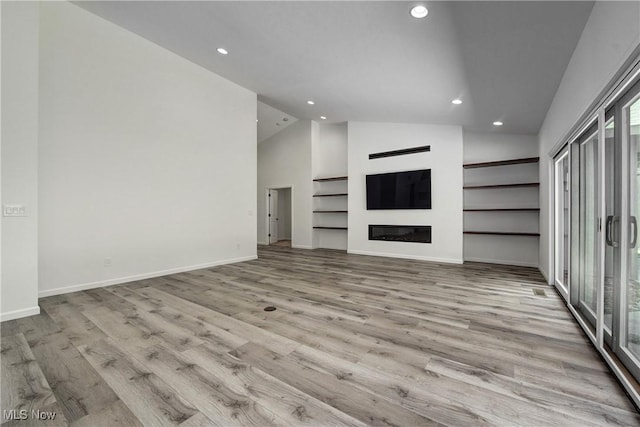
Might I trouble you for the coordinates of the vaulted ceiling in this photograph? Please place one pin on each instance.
(370, 60)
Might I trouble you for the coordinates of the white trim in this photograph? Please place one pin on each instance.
(416, 257)
(119, 280)
(601, 241)
(503, 262)
(551, 224)
(17, 314)
(262, 243)
(627, 82)
(301, 246)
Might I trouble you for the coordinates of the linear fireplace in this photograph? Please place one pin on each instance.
(401, 233)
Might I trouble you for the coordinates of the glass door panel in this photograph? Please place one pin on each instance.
(611, 260)
(562, 222)
(630, 338)
(588, 227)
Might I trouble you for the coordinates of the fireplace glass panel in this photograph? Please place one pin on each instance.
(401, 233)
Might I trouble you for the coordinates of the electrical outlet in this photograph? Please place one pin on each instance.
(14, 210)
(107, 262)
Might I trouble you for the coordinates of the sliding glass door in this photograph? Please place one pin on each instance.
(561, 166)
(628, 348)
(597, 204)
(586, 218)
(612, 222)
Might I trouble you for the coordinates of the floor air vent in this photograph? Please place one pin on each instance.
(539, 292)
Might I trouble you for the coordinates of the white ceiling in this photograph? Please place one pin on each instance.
(370, 61)
(271, 121)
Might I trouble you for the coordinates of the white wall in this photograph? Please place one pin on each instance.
(284, 160)
(445, 162)
(330, 160)
(145, 157)
(19, 290)
(490, 146)
(330, 154)
(514, 250)
(609, 37)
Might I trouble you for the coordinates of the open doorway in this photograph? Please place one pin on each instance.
(279, 217)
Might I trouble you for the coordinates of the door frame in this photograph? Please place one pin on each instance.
(587, 319)
(631, 361)
(562, 288)
(266, 212)
(272, 214)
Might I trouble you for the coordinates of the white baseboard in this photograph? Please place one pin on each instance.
(119, 280)
(301, 247)
(17, 314)
(263, 243)
(503, 262)
(416, 257)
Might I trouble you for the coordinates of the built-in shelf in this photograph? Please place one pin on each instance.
(524, 184)
(498, 233)
(336, 178)
(332, 214)
(502, 163)
(503, 210)
(330, 195)
(330, 228)
(503, 233)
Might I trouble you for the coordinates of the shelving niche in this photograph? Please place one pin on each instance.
(501, 202)
(330, 204)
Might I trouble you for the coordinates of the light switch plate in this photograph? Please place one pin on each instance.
(14, 210)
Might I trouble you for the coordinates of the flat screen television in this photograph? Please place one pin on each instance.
(399, 190)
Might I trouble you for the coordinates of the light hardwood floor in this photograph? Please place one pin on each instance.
(354, 340)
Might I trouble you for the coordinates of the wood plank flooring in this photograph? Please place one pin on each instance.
(354, 340)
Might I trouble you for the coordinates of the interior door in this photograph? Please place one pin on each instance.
(273, 216)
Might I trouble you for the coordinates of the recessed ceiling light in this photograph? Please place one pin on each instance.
(323, 117)
(419, 11)
(310, 102)
(456, 101)
(498, 123)
(222, 51)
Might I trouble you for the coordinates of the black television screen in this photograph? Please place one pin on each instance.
(399, 190)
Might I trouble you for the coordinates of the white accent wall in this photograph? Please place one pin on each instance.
(609, 37)
(512, 250)
(19, 278)
(284, 160)
(147, 161)
(445, 162)
(330, 153)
